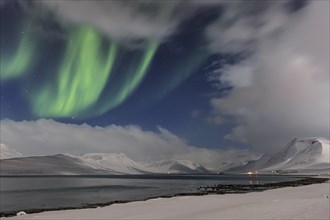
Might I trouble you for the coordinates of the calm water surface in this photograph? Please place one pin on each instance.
(22, 193)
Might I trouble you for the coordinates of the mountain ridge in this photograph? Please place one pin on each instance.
(92, 163)
(298, 154)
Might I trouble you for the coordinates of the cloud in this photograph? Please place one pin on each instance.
(282, 90)
(244, 24)
(215, 119)
(44, 137)
(126, 21)
(120, 20)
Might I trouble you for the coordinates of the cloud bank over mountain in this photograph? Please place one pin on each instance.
(281, 91)
(47, 137)
(277, 89)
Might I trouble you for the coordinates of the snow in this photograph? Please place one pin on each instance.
(45, 165)
(175, 166)
(120, 163)
(307, 155)
(94, 163)
(20, 213)
(115, 163)
(304, 202)
(299, 154)
(7, 152)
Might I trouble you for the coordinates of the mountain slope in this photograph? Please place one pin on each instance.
(121, 164)
(93, 163)
(175, 166)
(7, 152)
(114, 163)
(46, 165)
(299, 154)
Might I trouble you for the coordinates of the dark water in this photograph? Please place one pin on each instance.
(22, 193)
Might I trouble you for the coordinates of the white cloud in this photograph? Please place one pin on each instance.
(282, 90)
(44, 137)
(121, 20)
(244, 24)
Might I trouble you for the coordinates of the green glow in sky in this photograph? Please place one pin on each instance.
(132, 82)
(20, 62)
(82, 86)
(82, 76)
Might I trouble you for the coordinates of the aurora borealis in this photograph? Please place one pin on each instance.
(134, 81)
(81, 83)
(81, 72)
(21, 59)
(209, 72)
(81, 78)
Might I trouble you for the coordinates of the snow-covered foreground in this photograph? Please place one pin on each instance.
(305, 202)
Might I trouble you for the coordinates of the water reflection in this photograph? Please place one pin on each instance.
(66, 191)
(254, 182)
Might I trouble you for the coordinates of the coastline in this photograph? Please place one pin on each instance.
(202, 191)
(303, 202)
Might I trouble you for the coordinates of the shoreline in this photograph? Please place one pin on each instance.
(209, 190)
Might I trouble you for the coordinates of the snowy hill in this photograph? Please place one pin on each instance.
(114, 163)
(45, 165)
(299, 154)
(121, 164)
(175, 166)
(7, 152)
(94, 163)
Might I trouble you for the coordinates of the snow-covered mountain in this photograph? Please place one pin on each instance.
(114, 163)
(7, 152)
(94, 163)
(121, 164)
(59, 164)
(299, 154)
(175, 166)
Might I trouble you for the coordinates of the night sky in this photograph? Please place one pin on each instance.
(76, 74)
(194, 68)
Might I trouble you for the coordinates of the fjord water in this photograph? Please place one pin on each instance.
(44, 192)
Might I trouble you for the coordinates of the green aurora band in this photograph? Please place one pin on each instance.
(133, 82)
(22, 59)
(81, 78)
(84, 85)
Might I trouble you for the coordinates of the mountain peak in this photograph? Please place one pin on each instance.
(311, 139)
(318, 147)
(176, 166)
(311, 153)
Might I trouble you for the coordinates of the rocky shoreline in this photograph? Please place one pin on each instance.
(237, 188)
(216, 189)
